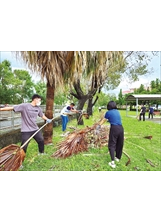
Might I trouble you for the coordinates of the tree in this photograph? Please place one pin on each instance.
(136, 64)
(59, 66)
(120, 98)
(6, 78)
(24, 86)
(96, 71)
(15, 87)
(40, 88)
(56, 67)
(130, 67)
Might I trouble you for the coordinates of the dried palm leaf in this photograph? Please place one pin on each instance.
(129, 159)
(148, 161)
(148, 137)
(80, 140)
(11, 158)
(73, 144)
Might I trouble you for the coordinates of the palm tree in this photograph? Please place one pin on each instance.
(61, 66)
(52, 66)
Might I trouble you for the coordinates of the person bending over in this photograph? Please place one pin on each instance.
(64, 115)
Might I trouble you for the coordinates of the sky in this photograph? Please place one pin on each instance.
(124, 85)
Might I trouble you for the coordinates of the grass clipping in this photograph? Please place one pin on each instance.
(80, 140)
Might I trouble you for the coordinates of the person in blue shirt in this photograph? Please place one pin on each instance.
(151, 111)
(116, 135)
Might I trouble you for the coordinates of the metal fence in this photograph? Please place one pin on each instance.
(10, 119)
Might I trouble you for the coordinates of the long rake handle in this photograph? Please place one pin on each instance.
(35, 133)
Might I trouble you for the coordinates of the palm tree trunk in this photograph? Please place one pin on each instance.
(48, 130)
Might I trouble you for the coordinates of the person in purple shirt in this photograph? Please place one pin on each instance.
(116, 135)
(29, 113)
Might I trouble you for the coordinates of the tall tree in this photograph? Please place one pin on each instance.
(120, 98)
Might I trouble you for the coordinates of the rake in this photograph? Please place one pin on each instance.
(12, 156)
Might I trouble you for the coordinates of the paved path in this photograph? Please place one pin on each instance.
(156, 119)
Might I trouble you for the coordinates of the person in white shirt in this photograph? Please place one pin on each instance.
(64, 114)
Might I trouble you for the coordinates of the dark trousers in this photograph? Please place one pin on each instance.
(116, 141)
(38, 137)
(142, 114)
(151, 114)
(65, 120)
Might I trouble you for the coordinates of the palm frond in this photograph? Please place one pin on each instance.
(59, 66)
(80, 140)
(11, 158)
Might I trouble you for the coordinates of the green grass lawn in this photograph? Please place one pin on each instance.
(141, 151)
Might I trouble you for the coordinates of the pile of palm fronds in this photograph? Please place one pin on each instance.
(81, 140)
(11, 158)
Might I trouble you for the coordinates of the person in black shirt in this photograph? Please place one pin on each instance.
(142, 112)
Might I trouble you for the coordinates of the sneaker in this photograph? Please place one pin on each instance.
(112, 164)
(116, 159)
(41, 154)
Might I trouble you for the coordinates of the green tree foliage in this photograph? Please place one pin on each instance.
(105, 98)
(121, 99)
(6, 79)
(40, 88)
(155, 88)
(15, 87)
(141, 89)
(24, 87)
(137, 64)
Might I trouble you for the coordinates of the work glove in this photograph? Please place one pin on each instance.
(98, 127)
(49, 120)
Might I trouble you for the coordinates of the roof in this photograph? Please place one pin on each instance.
(133, 97)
